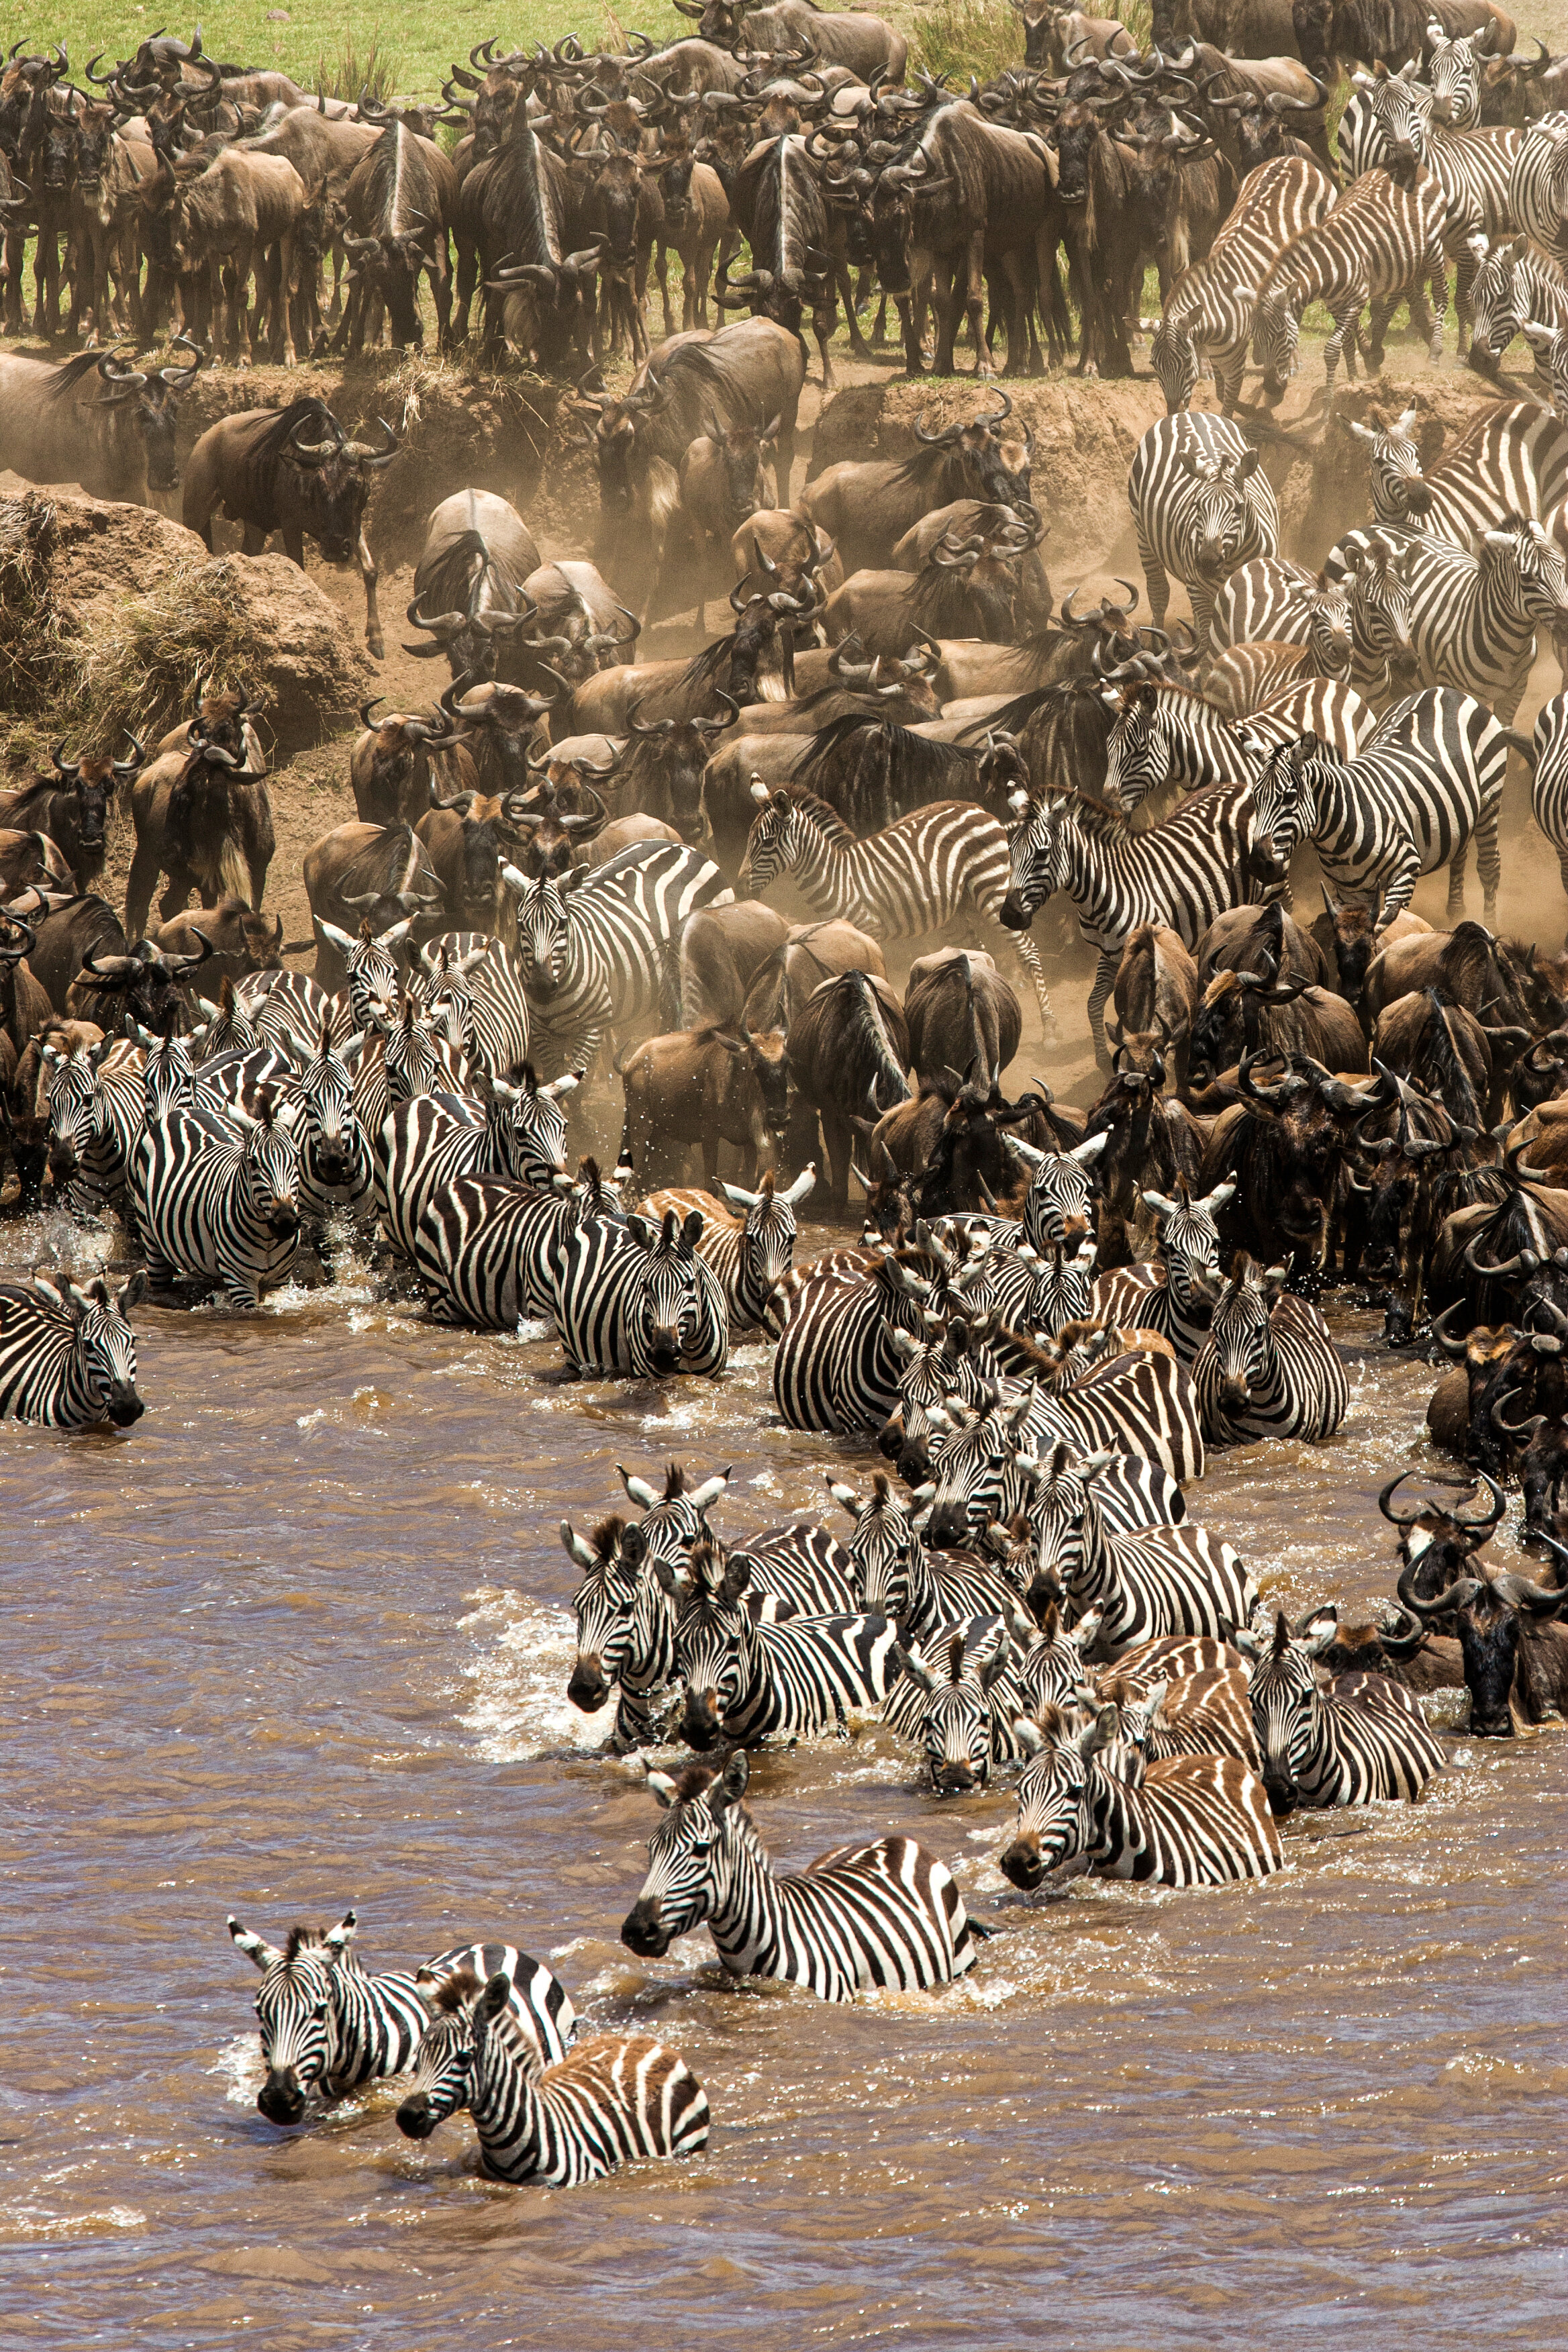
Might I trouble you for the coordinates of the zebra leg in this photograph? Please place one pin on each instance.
(1487, 861)
(1344, 325)
(1105, 973)
(1437, 277)
(1023, 948)
(1156, 582)
(1457, 867)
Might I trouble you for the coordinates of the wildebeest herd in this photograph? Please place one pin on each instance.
(559, 872)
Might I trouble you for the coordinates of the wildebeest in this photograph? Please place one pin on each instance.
(204, 819)
(391, 764)
(963, 1016)
(866, 505)
(72, 808)
(241, 940)
(1156, 993)
(721, 951)
(401, 196)
(292, 470)
(1242, 1012)
(468, 592)
(61, 423)
(848, 1049)
(1514, 1649)
(365, 873)
(711, 1086)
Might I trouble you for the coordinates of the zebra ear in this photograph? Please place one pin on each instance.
(1083, 1634)
(702, 1498)
(663, 1787)
(640, 1231)
(637, 1488)
(914, 1670)
(731, 1786)
(1028, 1735)
(998, 1662)
(691, 1231)
(575, 1548)
(1099, 1733)
(737, 1576)
(670, 1577)
(334, 937)
(254, 1948)
(495, 1996)
(1243, 1639)
(801, 1189)
(337, 1940)
(845, 1496)
(132, 1292)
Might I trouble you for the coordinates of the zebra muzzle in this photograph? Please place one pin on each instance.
(280, 2098)
(643, 1932)
(588, 1688)
(1023, 1863)
(125, 1406)
(414, 2119)
(700, 1727)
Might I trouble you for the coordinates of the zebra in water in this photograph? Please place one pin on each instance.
(961, 1717)
(409, 1058)
(1206, 322)
(1429, 781)
(68, 1354)
(625, 1633)
(220, 1198)
(1187, 1821)
(797, 1571)
(1273, 601)
(1058, 1210)
(1548, 788)
(1515, 281)
(753, 1253)
(628, 1300)
(1473, 618)
(612, 2098)
(597, 947)
(1144, 1582)
(1174, 1296)
(1268, 1368)
(1383, 241)
(836, 1369)
(941, 864)
(337, 1168)
(485, 1244)
(886, 1912)
(96, 1119)
(1184, 1697)
(429, 1142)
(954, 1359)
(1180, 875)
(896, 1578)
(372, 969)
(1201, 505)
(1356, 1739)
(540, 2003)
(747, 1680)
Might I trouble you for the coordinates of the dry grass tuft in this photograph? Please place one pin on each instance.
(350, 73)
(193, 629)
(40, 668)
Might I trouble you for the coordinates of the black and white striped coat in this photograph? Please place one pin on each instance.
(1268, 1366)
(1382, 243)
(1188, 1820)
(1538, 185)
(1549, 790)
(1512, 461)
(219, 1199)
(1176, 1296)
(1428, 782)
(327, 2028)
(372, 965)
(1144, 1583)
(597, 948)
(886, 1912)
(432, 1139)
(1471, 168)
(625, 1633)
(1206, 322)
(798, 1570)
(1352, 1741)
(626, 1300)
(1516, 282)
(836, 1368)
(68, 1355)
(1275, 602)
(1201, 505)
(96, 1120)
(897, 1577)
(751, 1250)
(746, 1680)
(485, 1244)
(474, 984)
(610, 2099)
(957, 1697)
(337, 1166)
(288, 1008)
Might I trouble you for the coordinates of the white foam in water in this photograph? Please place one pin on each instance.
(519, 1706)
(240, 2067)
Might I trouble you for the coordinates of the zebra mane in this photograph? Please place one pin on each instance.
(606, 1537)
(674, 1482)
(693, 1781)
(457, 1991)
(303, 1940)
(821, 813)
(1098, 817)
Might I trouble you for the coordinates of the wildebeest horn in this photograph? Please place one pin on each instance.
(361, 453)
(176, 376)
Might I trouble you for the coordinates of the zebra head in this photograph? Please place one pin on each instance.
(773, 845)
(953, 1724)
(1329, 629)
(449, 992)
(689, 1854)
(531, 1122)
(1052, 1671)
(1056, 1815)
(271, 1164)
(1527, 567)
(974, 1473)
(229, 1027)
(296, 2007)
(1220, 510)
(1454, 74)
(1283, 812)
(334, 1142)
(768, 1228)
(939, 1366)
(715, 1639)
(1499, 298)
(1399, 491)
(1187, 1238)
(78, 1109)
(168, 1073)
(1240, 1332)
(372, 966)
(413, 1065)
(1400, 107)
(890, 1568)
(667, 1304)
(1058, 1207)
(1138, 752)
(1282, 1689)
(1380, 603)
(1063, 1288)
(1174, 355)
(624, 1622)
(1059, 1507)
(543, 924)
(106, 1345)
(441, 2072)
(675, 1517)
(1038, 856)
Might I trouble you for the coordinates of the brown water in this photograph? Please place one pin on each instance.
(300, 1639)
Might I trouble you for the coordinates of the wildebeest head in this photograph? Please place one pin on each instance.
(977, 463)
(328, 479)
(397, 741)
(663, 769)
(536, 304)
(496, 615)
(390, 264)
(146, 980)
(147, 401)
(498, 724)
(1491, 1614)
(558, 812)
(618, 437)
(475, 905)
(90, 782)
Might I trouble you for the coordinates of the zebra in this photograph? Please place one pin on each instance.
(1140, 1406)
(540, 2003)
(1381, 241)
(327, 2028)
(1143, 1581)
(1399, 491)
(747, 1680)
(96, 1119)
(1268, 1366)
(337, 1166)
(409, 1058)
(887, 1913)
(1454, 75)
(836, 1369)
(1511, 461)
(1040, 1290)
(372, 969)
(1473, 618)
(937, 866)
(612, 2098)
(68, 1354)
(1538, 185)
(1356, 1739)
(1169, 734)
(961, 1718)
(484, 1245)
(628, 1300)
(798, 1570)
(1184, 1697)
(1180, 874)
(1188, 1820)
(1275, 602)
(896, 1577)
(428, 1141)
(1429, 781)
(1201, 505)
(1176, 1296)
(227, 1028)
(597, 947)
(473, 983)
(1206, 321)
(1515, 280)
(1471, 170)
(625, 1633)
(753, 1253)
(219, 1198)
(1058, 1208)
(286, 1009)
(1548, 788)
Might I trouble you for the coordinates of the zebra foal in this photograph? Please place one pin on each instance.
(887, 1913)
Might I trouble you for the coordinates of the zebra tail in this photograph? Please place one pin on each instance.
(1523, 744)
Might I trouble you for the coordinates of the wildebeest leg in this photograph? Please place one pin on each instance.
(1104, 980)
(974, 304)
(145, 867)
(282, 323)
(1023, 349)
(439, 276)
(661, 271)
(183, 880)
(368, 573)
(859, 348)
(467, 275)
(824, 318)
(913, 358)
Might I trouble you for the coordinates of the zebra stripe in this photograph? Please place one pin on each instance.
(1268, 1368)
(798, 1571)
(483, 1249)
(1429, 781)
(68, 1355)
(750, 1255)
(428, 1142)
(887, 1913)
(539, 2002)
(1454, 76)
(1352, 1741)
(1201, 505)
(611, 2099)
(475, 984)
(1279, 603)
(746, 1681)
(1515, 281)
(1472, 618)
(956, 1700)
(218, 1200)
(1190, 1820)
(337, 1166)
(1511, 461)
(408, 1059)
(836, 1368)
(941, 865)
(1472, 171)
(1176, 1296)
(1537, 186)
(1144, 1583)
(288, 1009)
(1381, 243)
(626, 1299)
(1549, 789)
(1206, 322)
(1183, 1695)
(625, 1633)
(326, 2027)
(896, 1577)
(597, 948)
